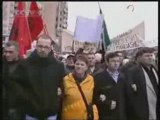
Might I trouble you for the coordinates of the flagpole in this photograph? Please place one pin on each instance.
(73, 46)
(99, 6)
(103, 33)
(44, 24)
(104, 43)
(100, 42)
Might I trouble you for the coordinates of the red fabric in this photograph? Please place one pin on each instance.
(20, 30)
(35, 21)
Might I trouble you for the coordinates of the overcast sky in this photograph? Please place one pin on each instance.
(118, 17)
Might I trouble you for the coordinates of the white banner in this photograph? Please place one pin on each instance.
(88, 30)
(151, 43)
(131, 39)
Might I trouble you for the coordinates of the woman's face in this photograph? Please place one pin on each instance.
(80, 67)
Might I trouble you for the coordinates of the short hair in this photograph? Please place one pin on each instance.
(79, 51)
(143, 50)
(70, 56)
(156, 54)
(45, 36)
(12, 43)
(111, 55)
(117, 52)
(90, 53)
(82, 58)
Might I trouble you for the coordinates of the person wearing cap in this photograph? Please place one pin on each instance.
(143, 91)
(69, 66)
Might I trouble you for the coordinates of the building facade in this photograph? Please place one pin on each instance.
(54, 14)
(61, 18)
(8, 16)
(67, 41)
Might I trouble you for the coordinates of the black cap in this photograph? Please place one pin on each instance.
(69, 56)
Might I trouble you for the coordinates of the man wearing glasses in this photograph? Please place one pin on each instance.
(36, 82)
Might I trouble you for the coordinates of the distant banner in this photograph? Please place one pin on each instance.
(151, 43)
(131, 39)
(88, 47)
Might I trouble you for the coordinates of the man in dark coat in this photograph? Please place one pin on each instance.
(35, 83)
(109, 92)
(10, 61)
(93, 66)
(125, 68)
(143, 88)
(158, 104)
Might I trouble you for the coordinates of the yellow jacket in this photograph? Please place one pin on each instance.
(73, 107)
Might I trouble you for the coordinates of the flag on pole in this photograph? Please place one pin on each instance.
(105, 36)
(88, 30)
(20, 30)
(35, 21)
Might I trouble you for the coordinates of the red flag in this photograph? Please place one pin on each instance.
(20, 30)
(35, 21)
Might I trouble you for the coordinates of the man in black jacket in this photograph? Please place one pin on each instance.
(35, 83)
(10, 62)
(143, 87)
(109, 92)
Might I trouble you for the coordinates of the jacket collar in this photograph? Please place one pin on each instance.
(37, 60)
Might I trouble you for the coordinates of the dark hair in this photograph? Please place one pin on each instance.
(70, 56)
(111, 55)
(60, 58)
(12, 43)
(45, 36)
(143, 50)
(79, 51)
(90, 53)
(83, 58)
(117, 52)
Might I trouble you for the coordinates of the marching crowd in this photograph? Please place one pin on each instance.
(43, 87)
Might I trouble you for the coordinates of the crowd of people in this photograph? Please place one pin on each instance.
(82, 87)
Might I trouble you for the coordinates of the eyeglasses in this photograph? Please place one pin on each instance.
(10, 52)
(44, 47)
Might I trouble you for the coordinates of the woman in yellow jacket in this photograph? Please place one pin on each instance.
(73, 106)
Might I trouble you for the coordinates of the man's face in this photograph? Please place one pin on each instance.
(70, 61)
(147, 58)
(43, 47)
(113, 63)
(10, 53)
(91, 59)
(121, 57)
